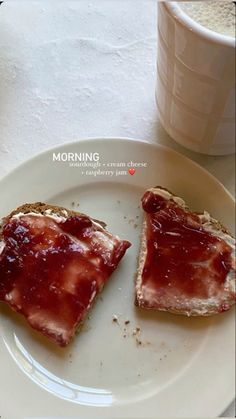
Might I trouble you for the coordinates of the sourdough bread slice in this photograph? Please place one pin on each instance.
(53, 264)
(186, 261)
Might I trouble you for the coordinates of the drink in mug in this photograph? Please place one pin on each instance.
(218, 16)
(195, 91)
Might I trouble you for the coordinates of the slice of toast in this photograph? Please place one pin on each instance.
(186, 261)
(53, 264)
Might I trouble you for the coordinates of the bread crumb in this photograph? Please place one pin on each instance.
(115, 319)
(139, 342)
(127, 321)
(135, 225)
(77, 205)
(136, 331)
(72, 204)
(124, 336)
(85, 327)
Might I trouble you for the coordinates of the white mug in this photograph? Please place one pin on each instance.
(195, 91)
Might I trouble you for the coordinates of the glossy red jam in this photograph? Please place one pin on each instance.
(182, 258)
(51, 271)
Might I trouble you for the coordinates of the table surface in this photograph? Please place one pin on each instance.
(78, 69)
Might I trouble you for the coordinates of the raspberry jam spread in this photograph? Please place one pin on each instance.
(183, 259)
(52, 269)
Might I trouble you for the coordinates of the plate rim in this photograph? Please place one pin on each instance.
(44, 152)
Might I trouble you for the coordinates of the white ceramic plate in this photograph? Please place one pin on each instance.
(184, 367)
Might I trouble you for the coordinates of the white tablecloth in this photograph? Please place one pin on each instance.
(75, 69)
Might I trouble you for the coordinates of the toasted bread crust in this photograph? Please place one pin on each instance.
(41, 208)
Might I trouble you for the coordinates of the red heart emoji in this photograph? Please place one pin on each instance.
(132, 171)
